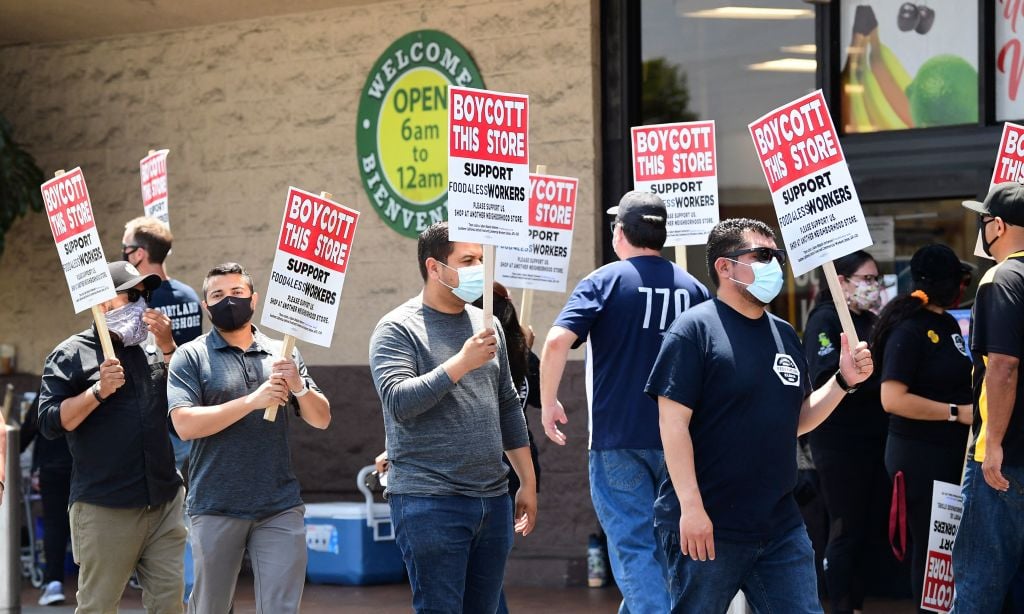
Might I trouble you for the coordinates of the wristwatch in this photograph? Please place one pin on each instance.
(954, 412)
(96, 393)
(847, 388)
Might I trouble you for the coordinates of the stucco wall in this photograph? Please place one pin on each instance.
(251, 107)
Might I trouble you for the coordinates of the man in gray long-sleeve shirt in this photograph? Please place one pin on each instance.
(450, 409)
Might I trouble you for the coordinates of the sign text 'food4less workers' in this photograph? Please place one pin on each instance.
(814, 196)
(488, 167)
(313, 254)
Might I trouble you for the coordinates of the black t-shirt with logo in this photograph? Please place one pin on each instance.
(997, 327)
(927, 353)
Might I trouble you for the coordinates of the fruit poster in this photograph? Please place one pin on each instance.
(908, 65)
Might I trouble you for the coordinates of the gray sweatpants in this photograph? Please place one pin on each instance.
(277, 550)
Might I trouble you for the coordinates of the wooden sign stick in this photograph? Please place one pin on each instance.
(681, 256)
(5, 411)
(839, 299)
(488, 286)
(99, 319)
(287, 347)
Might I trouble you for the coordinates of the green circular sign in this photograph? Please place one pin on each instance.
(402, 125)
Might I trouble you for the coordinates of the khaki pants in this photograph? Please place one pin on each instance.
(110, 543)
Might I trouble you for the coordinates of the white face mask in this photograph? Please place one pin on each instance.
(768, 280)
(471, 282)
(127, 323)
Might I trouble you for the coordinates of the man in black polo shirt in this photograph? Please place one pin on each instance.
(989, 545)
(126, 496)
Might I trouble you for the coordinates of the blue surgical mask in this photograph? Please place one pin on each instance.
(768, 280)
(471, 282)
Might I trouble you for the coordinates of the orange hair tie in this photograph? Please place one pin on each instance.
(920, 294)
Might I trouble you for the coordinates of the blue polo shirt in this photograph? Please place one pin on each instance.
(726, 368)
(621, 311)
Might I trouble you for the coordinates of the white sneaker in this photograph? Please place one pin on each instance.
(52, 593)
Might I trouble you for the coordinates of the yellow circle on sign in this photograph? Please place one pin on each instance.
(411, 133)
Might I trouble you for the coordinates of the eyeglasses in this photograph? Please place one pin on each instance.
(871, 279)
(125, 248)
(612, 225)
(134, 295)
(762, 254)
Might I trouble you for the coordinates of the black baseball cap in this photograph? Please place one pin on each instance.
(126, 276)
(640, 207)
(1005, 200)
(937, 262)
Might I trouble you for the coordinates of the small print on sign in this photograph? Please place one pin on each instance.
(313, 254)
(544, 265)
(947, 509)
(69, 212)
(815, 200)
(677, 162)
(488, 167)
(153, 170)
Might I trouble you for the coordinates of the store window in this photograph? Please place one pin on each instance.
(1009, 32)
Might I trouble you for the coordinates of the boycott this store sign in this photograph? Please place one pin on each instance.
(815, 200)
(69, 211)
(153, 170)
(947, 509)
(401, 125)
(544, 265)
(488, 167)
(677, 162)
(312, 256)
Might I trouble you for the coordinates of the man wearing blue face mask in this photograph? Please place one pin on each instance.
(450, 411)
(126, 495)
(733, 394)
(621, 311)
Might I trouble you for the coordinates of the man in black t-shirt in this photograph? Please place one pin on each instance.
(989, 545)
(733, 394)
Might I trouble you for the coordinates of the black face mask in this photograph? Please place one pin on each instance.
(231, 313)
(986, 245)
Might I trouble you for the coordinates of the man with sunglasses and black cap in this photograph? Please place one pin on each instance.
(733, 394)
(989, 547)
(126, 496)
(622, 310)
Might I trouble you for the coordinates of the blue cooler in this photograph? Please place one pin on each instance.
(352, 543)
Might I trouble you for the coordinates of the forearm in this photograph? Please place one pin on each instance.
(552, 366)
(819, 405)
(74, 410)
(1001, 393)
(678, 445)
(194, 422)
(408, 397)
(897, 400)
(315, 409)
(522, 464)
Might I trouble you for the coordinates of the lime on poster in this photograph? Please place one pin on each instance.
(401, 128)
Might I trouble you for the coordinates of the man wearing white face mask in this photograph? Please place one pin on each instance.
(450, 410)
(733, 394)
(126, 495)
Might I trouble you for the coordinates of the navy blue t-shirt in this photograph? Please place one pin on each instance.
(722, 365)
(181, 304)
(622, 310)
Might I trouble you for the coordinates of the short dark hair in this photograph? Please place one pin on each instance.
(228, 268)
(846, 266)
(433, 243)
(152, 235)
(650, 235)
(727, 236)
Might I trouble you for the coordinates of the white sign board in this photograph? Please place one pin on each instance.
(677, 162)
(488, 167)
(544, 265)
(153, 170)
(1009, 167)
(312, 257)
(947, 508)
(815, 199)
(69, 211)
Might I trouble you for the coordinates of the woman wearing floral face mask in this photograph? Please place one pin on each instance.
(848, 448)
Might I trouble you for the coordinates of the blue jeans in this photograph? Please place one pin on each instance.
(454, 549)
(775, 575)
(623, 486)
(989, 544)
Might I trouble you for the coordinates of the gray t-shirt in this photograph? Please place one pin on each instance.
(443, 438)
(245, 470)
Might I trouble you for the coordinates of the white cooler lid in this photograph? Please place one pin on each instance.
(346, 510)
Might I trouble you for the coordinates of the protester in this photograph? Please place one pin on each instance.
(926, 387)
(621, 311)
(126, 496)
(848, 448)
(146, 244)
(243, 495)
(450, 408)
(989, 545)
(733, 395)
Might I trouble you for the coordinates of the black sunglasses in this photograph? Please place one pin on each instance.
(612, 225)
(763, 254)
(134, 295)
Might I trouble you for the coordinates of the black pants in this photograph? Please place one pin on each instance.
(54, 490)
(921, 463)
(856, 488)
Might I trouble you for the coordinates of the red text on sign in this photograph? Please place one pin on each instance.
(67, 205)
(796, 141)
(552, 201)
(318, 230)
(488, 125)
